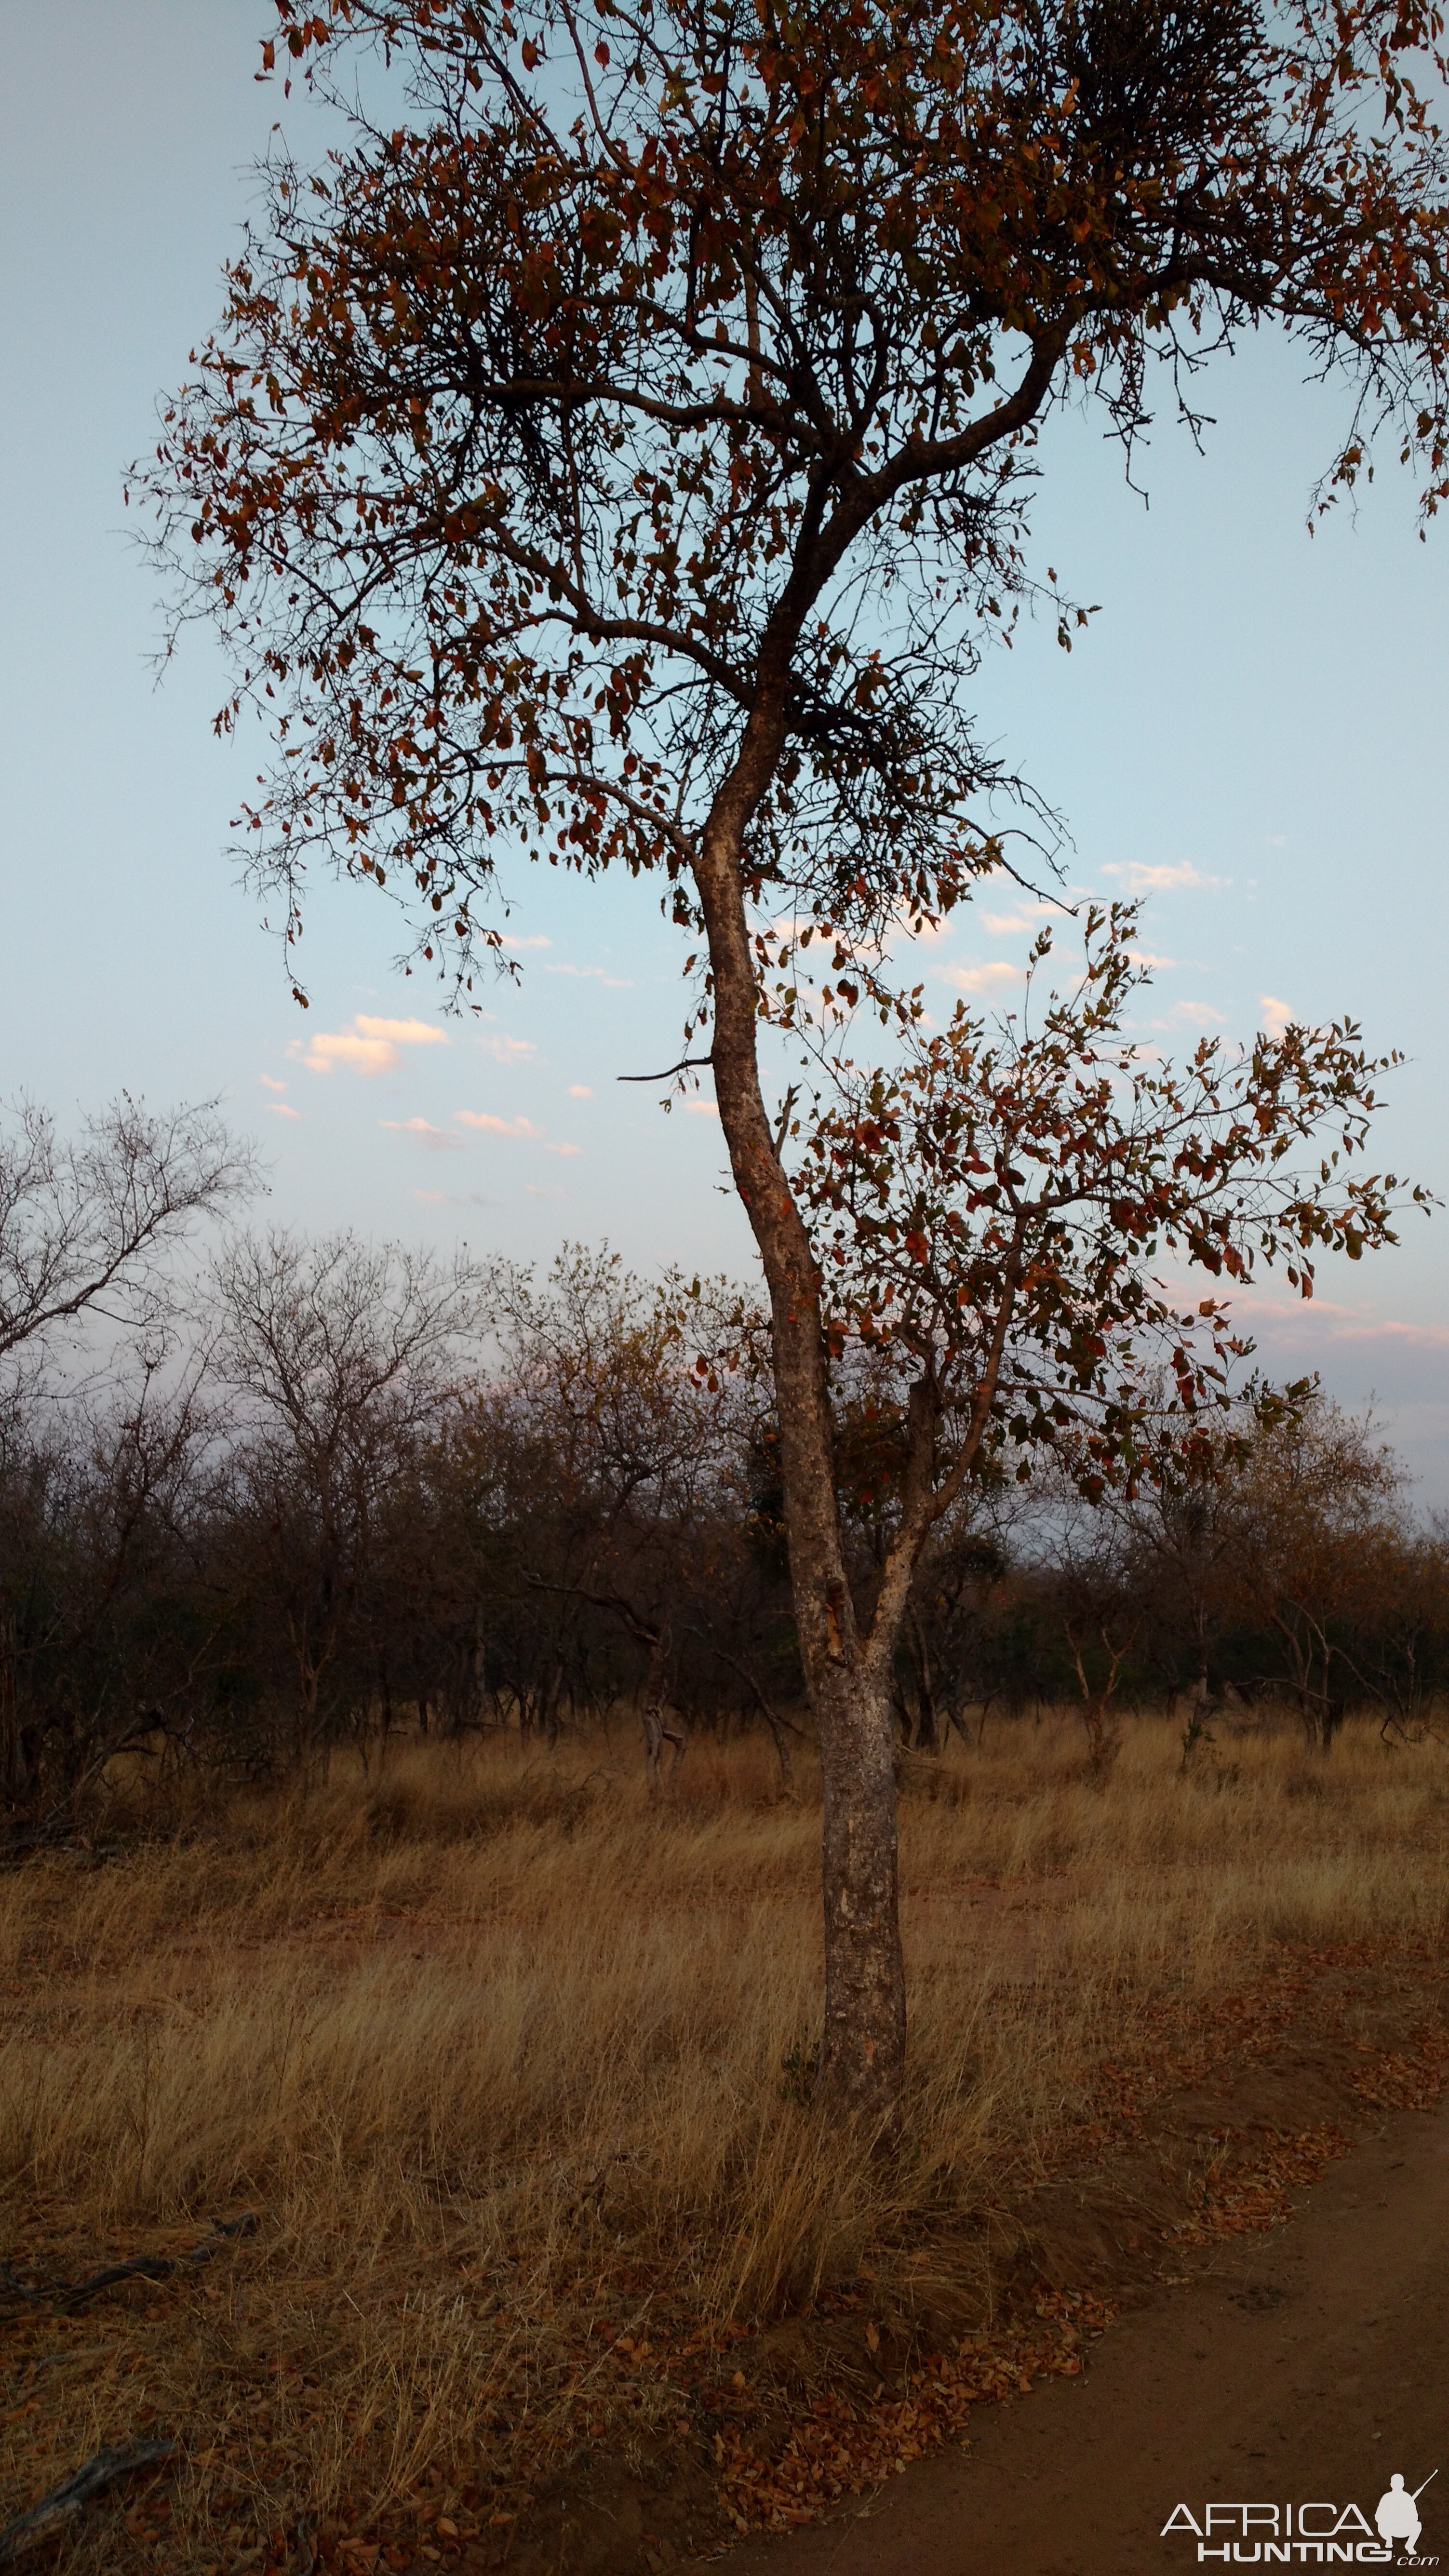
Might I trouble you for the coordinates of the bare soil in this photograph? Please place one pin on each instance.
(1308, 2362)
(1272, 2249)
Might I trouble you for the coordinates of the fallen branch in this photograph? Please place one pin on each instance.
(65, 2502)
(63, 2298)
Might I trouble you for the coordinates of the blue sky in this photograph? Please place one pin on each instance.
(1252, 733)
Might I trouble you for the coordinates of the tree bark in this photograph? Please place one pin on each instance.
(863, 2047)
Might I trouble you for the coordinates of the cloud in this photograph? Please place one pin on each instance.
(580, 1091)
(1161, 880)
(1197, 1015)
(1329, 1321)
(1276, 840)
(371, 1045)
(400, 1032)
(432, 1198)
(270, 1083)
(535, 939)
(1145, 957)
(488, 1125)
(1277, 1016)
(435, 1140)
(1023, 916)
(508, 1050)
(593, 974)
(280, 1109)
(536, 1190)
(701, 1109)
(343, 1046)
(995, 977)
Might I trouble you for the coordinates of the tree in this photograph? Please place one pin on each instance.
(342, 1360)
(617, 1459)
(109, 1630)
(89, 1229)
(1398, 1654)
(1312, 1509)
(986, 1216)
(617, 452)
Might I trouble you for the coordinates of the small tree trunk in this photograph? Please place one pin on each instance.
(865, 1979)
(928, 1724)
(13, 1781)
(660, 1726)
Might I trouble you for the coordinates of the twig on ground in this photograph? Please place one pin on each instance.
(64, 2502)
(65, 2297)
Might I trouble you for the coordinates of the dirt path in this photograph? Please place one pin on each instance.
(1305, 2366)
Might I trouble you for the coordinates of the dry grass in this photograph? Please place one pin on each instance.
(497, 2047)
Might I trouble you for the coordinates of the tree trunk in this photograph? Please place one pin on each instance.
(863, 2055)
(928, 1724)
(661, 1727)
(863, 2051)
(13, 1782)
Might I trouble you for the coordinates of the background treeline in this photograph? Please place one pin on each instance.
(362, 1491)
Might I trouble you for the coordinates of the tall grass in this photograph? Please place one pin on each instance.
(492, 2043)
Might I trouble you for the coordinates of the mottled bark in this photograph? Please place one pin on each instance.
(863, 2053)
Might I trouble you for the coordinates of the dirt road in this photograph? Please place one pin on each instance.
(1305, 2367)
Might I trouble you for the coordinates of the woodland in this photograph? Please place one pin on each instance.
(313, 1495)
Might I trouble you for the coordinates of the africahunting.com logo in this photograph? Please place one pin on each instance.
(1309, 2535)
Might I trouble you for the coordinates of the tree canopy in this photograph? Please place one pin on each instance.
(652, 404)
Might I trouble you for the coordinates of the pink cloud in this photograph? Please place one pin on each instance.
(371, 1045)
(488, 1125)
(436, 1140)
(995, 977)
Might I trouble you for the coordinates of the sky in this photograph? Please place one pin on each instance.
(1251, 735)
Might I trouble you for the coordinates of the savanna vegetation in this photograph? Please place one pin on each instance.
(501, 2066)
(410, 1945)
(487, 1758)
(324, 1495)
(617, 453)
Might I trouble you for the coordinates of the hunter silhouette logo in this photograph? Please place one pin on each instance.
(1316, 2534)
(1397, 2512)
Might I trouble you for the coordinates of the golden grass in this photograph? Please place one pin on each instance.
(496, 2045)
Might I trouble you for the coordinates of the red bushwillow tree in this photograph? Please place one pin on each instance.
(615, 452)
